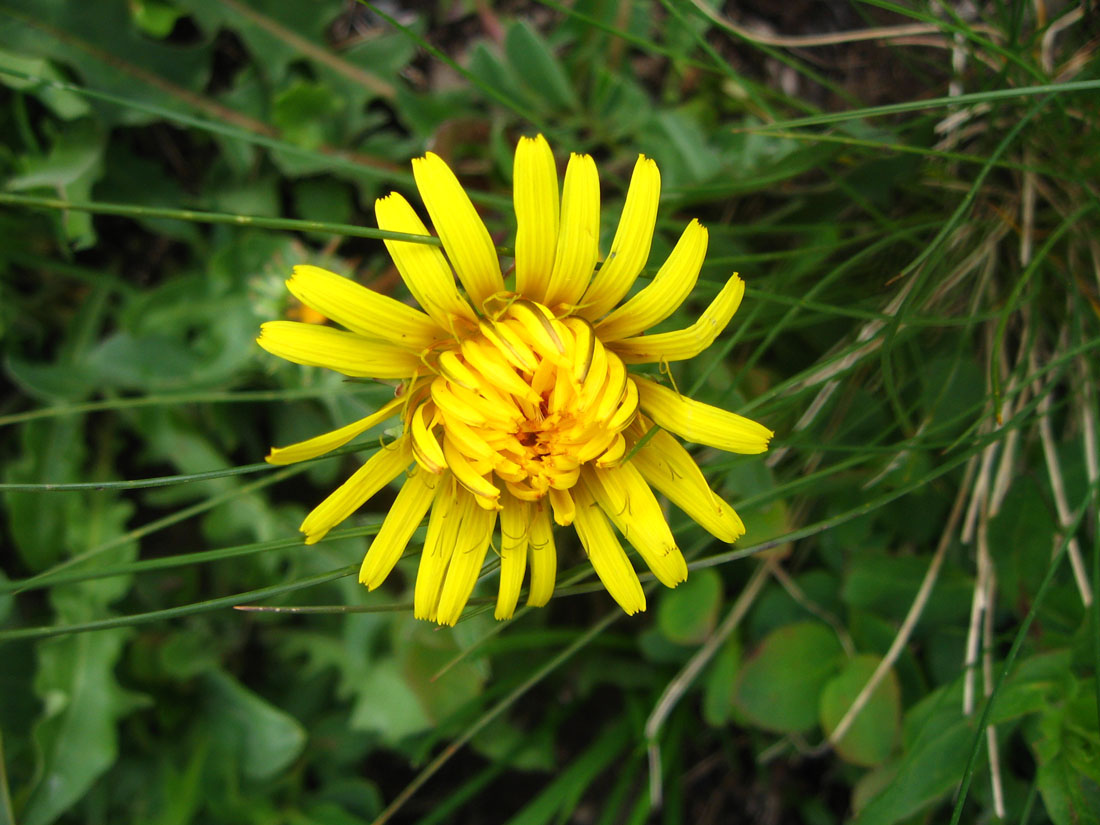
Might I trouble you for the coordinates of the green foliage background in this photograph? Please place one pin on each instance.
(916, 217)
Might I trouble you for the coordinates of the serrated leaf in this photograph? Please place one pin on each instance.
(540, 70)
(76, 736)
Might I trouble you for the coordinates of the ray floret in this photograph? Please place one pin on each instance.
(516, 407)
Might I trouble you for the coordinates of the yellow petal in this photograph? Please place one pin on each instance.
(540, 327)
(515, 519)
(363, 310)
(579, 233)
(379, 470)
(562, 504)
(460, 228)
(412, 502)
(542, 556)
(450, 505)
(606, 554)
(671, 285)
(423, 268)
(666, 465)
(467, 474)
(700, 422)
(426, 449)
(685, 343)
(535, 192)
(630, 248)
(474, 535)
(633, 509)
(327, 442)
(335, 349)
(509, 343)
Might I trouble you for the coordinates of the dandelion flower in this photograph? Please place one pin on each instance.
(516, 403)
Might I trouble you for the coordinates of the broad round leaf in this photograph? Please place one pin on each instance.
(780, 685)
(873, 734)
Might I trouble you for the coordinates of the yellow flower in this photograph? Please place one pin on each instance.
(516, 402)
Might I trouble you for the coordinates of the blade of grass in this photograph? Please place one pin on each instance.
(176, 399)
(1014, 651)
(179, 560)
(929, 103)
(453, 747)
(134, 619)
(196, 216)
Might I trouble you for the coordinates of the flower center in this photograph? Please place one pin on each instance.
(524, 401)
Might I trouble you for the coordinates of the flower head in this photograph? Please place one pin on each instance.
(516, 403)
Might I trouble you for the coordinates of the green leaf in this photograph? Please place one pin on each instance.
(305, 111)
(719, 681)
(937, 740)
(52, 451)
(873, 734)
(569, 785)
(779, 687)
(1066, 744)
(1070, 797)
(76, 736)
(384, 705)
(64, 104)
(73, 164)
(155, 17)
(688, 614)
(264, 738)
(533, 61)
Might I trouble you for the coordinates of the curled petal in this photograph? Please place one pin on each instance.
(685, 343)
(672, 284)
